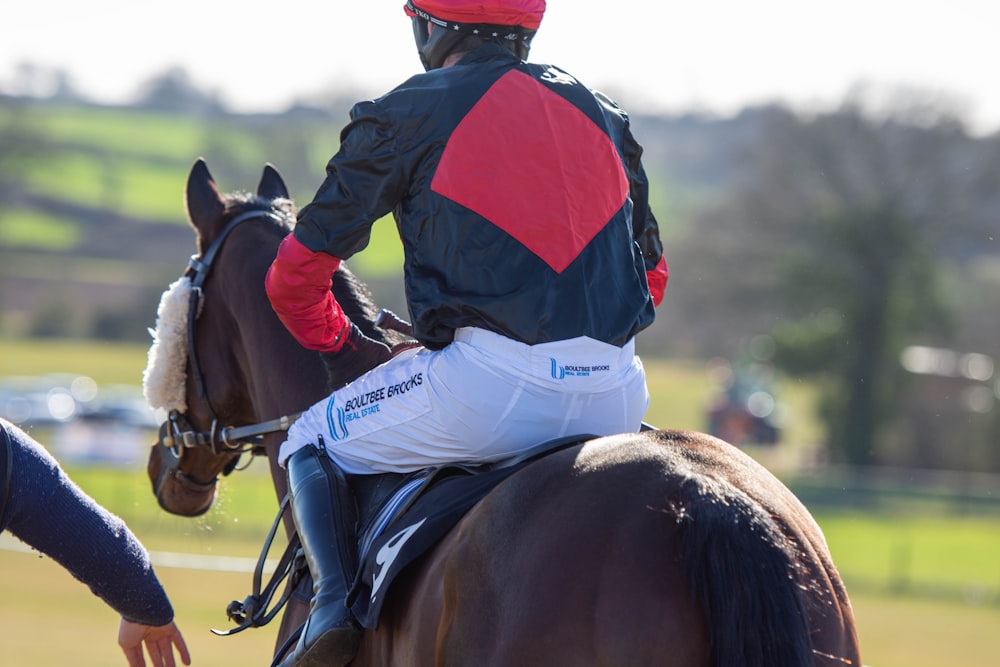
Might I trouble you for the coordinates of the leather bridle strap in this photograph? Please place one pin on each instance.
(176, 433)
(200, 267)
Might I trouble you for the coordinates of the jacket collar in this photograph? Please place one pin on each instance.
(488, 51)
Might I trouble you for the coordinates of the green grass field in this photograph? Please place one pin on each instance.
(946, 615)
(106, 363)
(925, 586)
(51, 620)
(134, 163)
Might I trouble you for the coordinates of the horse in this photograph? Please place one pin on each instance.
(665, 547)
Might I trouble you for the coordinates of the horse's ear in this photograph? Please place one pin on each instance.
(203, 200)
(272, 185)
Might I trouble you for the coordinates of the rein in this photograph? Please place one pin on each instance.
(176, 433)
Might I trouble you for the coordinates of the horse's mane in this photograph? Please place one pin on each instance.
(358, 303)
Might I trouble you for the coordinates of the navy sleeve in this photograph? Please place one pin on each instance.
(645, 229)
(364, 181)
(50, 513)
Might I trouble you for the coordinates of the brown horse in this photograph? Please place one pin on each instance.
(659, 547)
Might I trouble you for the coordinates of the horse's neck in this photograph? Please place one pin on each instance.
(284, 384)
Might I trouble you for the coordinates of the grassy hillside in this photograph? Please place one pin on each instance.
(134, 163)
(93, 218)
(91, 162)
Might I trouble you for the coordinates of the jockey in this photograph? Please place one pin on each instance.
(532, 260)
(44, 509)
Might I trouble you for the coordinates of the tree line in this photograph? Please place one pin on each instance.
(851, 239)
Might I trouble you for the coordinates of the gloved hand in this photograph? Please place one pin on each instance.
(358, 355)
(389, 320)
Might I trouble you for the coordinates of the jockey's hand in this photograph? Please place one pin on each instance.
(358, 355)
(160, 641)
(390, 320)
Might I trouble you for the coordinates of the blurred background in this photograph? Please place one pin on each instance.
(826, 182)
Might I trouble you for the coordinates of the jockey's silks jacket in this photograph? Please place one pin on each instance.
(520, 199)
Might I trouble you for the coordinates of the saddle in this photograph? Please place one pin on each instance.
(402, 516)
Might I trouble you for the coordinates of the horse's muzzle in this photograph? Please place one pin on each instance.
(175, 491)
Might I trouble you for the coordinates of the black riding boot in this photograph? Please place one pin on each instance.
(325, 515)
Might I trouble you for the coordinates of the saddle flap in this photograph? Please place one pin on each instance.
(419, 514)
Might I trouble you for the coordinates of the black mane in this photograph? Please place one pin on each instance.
(351, 292)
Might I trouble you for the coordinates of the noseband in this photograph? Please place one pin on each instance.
(176, 433)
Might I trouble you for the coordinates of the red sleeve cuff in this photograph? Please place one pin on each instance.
(657, 278)
(298, 286)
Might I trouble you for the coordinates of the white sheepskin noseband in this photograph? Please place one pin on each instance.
(163, 381)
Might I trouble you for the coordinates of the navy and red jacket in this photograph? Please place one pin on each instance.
(520, 199)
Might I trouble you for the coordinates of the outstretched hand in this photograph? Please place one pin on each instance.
(160, 642)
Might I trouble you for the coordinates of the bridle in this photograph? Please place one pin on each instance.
(177, 433)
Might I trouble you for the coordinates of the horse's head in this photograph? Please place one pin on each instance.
(224, 367)
(199, 369)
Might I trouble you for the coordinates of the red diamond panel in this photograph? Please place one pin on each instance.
(534, 165)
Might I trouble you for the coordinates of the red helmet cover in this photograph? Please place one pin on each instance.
(525, 13)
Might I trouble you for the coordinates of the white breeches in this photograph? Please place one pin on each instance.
(482, 398)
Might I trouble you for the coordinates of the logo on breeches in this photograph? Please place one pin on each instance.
(561, 372)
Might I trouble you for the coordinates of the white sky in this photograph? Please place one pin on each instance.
(710, 55)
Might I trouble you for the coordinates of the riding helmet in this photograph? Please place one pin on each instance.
(510, 22)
